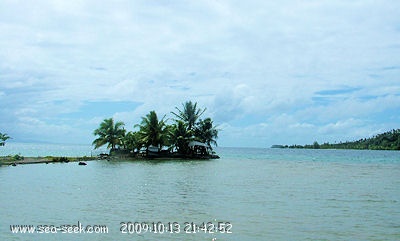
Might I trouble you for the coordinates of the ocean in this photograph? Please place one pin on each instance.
(247, 194)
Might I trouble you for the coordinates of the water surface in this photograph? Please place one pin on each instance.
(266, 194)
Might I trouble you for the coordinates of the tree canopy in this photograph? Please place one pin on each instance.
(3, 138)
(186, 127)
(152, 132)
(189, 114)
(206, 132)
(109, 133)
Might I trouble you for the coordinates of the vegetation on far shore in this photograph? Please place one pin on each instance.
(389, 140)
(156, 133)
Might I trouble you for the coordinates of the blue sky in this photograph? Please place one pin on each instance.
(268, 72)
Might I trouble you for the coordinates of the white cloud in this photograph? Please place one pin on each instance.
(257, 66)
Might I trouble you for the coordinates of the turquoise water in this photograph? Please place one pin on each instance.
(265, 194)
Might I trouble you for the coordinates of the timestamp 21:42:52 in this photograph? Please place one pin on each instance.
(175, 227)
(209, 227)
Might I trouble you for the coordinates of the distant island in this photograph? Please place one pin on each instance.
(389, 140)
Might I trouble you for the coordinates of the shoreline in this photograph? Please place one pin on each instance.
(20, 160)
(11, 161)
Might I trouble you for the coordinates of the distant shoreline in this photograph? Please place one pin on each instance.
(307, 147)
(328, 146)
(389, 140)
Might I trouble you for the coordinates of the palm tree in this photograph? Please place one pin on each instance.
(152, 131)
(3, 138)
(181, 136)
(205, 132)
(189, 114)
(109, 132)
(131, 141)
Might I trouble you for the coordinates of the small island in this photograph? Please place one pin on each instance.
(188, 136)
(389, 140)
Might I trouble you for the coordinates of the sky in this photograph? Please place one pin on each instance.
(268, 72)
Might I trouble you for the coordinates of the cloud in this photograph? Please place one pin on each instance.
(266, 71)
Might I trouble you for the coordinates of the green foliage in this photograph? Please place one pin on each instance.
(189, 114)
(181, 136)
(205, 132)
(389, 140)
(132, 141)
(60, 159)
(3, 138)
(152, 131)
(86, 158)
(18, 157)
(187, 127)
(109, 133)
(316, 145)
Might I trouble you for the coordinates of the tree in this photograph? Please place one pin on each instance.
(196, 129)
(398, 143)
(181, 136)
(131, 141)
(189, 114)
(152, 131)
(109, 133)
(3, 138)
(205, 132)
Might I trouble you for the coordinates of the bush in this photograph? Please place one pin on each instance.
(60, 159)
(18, 157)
